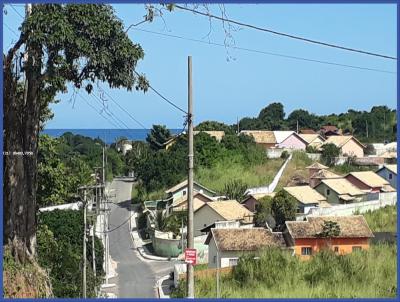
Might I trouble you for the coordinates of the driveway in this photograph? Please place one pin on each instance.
(136, 277)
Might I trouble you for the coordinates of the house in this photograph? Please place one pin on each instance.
(289, 140)
(369, 181)
(252, 200)
(313, 140)
(218, 135)
(180, 204)
(307, 237)
(307, 198)
(123, 146)
(181, 190)
(277, 139)
(315, 179)
(224, 210)
(316, 172)
(339, 191)
(329, 130)
(348, 145)
(225, 246)
(263, 138)
(307, 131)
(389, 172)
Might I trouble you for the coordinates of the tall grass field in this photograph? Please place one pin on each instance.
(277, 274)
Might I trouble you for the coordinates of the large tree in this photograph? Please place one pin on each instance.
(58, 45)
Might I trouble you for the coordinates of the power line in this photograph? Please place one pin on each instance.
(123, 109)
(265, 52)
(285, 34)
(15, 10)
(116, 228)
(95, 109)
(10, 29)
(163, 97)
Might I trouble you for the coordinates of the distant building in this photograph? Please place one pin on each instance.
(306, 237)
(307, 198)
(369, 181)
(317, 177)
(277, 139)
(307, 131)
(226, 210)
(225, 246)
(181, 190)
(313, 140)
(348, 145)
(339, 191)
(218, 135)
(389, 172)
(329, 130)
(252, 200)
(180, 204)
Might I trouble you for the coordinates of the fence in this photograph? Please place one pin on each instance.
(385, 199)
(314, 156)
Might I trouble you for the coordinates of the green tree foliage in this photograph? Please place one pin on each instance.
(283, 208)
(303, 118)
(272, 116)
(329, 152)
(263, 213)
(67, 44)
(214, 126)
(60, 244)
(158, 135)
(330, 229)
(235, 190)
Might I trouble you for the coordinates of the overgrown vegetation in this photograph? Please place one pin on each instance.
(295, 170)
(65, 163)
(366, 126)
(277, 274)
(383, 219)
(60, 248)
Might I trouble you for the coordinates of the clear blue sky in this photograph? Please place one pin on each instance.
(225, 90)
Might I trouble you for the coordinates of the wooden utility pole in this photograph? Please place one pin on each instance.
(93, 252)
(84, 243)
(366, 127)
(238, 126)
(190, 240)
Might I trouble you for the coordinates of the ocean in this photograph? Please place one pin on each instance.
(107, 135)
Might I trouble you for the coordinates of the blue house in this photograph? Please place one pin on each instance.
(389, 172)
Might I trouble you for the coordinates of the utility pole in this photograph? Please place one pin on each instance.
(190, 240)
(366, 127)
(84, 243)
(93, 252)
(238, 126)
(218, 290)
(297, 128)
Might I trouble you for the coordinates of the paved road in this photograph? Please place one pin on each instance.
(136, 277)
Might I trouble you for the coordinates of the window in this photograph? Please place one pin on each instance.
(336, 249)
(306, 251)
(328, 192)
(390, 175)
(184, 192)
(215, 259)
(233, 261)
(356, 248)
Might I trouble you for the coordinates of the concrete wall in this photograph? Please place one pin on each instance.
(314, 156)
(385, 199)
(165, 246)
(222, 258)
(274, 152)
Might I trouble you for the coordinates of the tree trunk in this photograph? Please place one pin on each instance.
(21, 125)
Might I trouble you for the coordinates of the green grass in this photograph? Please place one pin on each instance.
(229, 169)
(364, 274)
(347, 168)
(382, 220)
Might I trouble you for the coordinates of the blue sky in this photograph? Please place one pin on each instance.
(241, 86)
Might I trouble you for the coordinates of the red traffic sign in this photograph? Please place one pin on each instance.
(191, 256)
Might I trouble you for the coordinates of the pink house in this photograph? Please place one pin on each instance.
(289, 140)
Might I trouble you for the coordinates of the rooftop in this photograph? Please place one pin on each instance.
(305, 194)
(325, 174)
(317, 165)
(342, 186)
(309, 138)
(261, 136)
(242, 239)
(392, 168)
(341, 140)
(350, 227)
(217, 134)
(231, 210)
(370, 178)
(184, 184)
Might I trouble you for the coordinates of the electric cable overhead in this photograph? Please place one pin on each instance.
(265, 52)
(123, 109)
(163, 97)
(17, 12)
(285, 34)
(10, 29)
(116, 228)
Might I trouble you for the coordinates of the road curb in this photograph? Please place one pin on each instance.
(160, 291)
